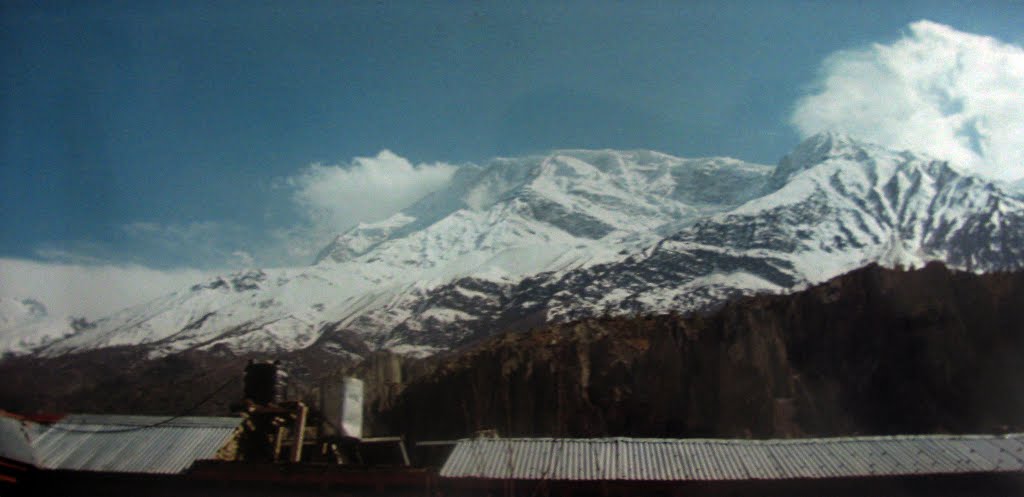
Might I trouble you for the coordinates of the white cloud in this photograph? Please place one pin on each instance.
(369, 189)
(82, 280)
(954, 95)
(243, 259)
(89, 290)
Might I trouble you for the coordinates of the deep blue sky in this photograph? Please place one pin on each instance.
(115, 113)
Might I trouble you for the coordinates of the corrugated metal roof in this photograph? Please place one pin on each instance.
(718, 459)
(16, 439)
(131, 444)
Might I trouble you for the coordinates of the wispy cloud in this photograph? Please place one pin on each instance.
(327, 199)
(87, 278)
(955, 95)
(89, 290)
(367, 189)
(334, 198)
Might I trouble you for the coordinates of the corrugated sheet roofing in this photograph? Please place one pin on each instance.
(716, 459)
(131, 444)
(16, 439)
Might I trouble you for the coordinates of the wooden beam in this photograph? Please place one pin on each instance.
(300, 432)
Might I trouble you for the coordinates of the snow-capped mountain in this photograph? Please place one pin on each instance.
(518, 242)
(834, 204)
(500, 222)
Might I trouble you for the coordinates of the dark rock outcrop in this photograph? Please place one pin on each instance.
(875, 351)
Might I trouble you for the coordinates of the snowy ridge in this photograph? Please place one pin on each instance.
(518, 242)
(833, 205)
(496, 223)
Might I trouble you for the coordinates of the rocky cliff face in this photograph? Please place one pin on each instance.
(873, 351)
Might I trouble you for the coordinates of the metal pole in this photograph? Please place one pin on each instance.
(300, 432)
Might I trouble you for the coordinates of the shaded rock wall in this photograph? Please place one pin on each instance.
(873, 351)
(122, 380)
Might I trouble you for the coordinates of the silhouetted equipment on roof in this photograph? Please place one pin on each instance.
(270, 430)
(329, 430)
(341, 402)
(265, 382)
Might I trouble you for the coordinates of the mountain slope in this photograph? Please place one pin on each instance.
(496, 223)
(832, 205)
(521, 242)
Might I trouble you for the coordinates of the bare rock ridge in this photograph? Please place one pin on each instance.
(874, 351)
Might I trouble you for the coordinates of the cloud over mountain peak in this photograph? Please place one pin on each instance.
(950, 94)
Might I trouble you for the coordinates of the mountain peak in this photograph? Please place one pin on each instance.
(829, 138)
(819, 148)
(572, 197)
(578, 233)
